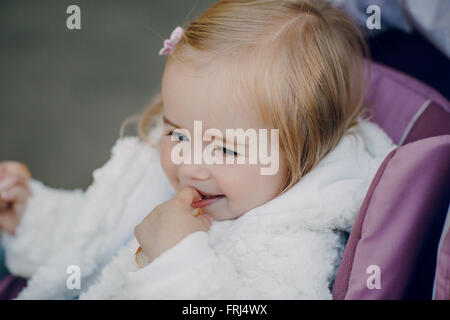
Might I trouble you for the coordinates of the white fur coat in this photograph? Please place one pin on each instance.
(287, 248)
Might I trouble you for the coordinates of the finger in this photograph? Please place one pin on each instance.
(4, 206)
(8, 222)
(10, 181)
(16, 168)
(15, 193)
(188, 195)
(136, 231)
(205, 220)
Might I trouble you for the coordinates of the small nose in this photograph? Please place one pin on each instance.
(188, 172)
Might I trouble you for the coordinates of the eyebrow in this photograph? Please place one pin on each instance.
(167, 121)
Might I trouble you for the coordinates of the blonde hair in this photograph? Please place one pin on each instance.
(304, 71)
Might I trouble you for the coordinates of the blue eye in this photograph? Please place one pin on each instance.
(181, 137)
(230, 152)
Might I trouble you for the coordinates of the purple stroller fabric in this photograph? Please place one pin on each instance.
(10, 286)
(442, 279)
(408, 111)
(399, 226)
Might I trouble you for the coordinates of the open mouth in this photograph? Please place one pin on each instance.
(208, 195)
(206, 200)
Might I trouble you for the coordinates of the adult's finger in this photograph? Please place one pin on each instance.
(188, 195)
(10, 181)
(4, 205)
(15, 193)
(8, 222)
(16, 168)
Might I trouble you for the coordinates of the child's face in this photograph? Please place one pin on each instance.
(207, 95)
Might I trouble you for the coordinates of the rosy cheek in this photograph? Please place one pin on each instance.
(230, 182)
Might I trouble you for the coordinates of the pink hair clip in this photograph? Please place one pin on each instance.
(169, 44)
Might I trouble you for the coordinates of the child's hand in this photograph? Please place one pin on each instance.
(14, 193)
(169, 223)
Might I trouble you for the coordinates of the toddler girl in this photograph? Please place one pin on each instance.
(291, 65)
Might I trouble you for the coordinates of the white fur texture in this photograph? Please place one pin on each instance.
(287, 248)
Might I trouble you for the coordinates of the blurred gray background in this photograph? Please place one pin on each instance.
(64, 93)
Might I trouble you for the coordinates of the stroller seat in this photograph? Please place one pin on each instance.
(401, 230)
